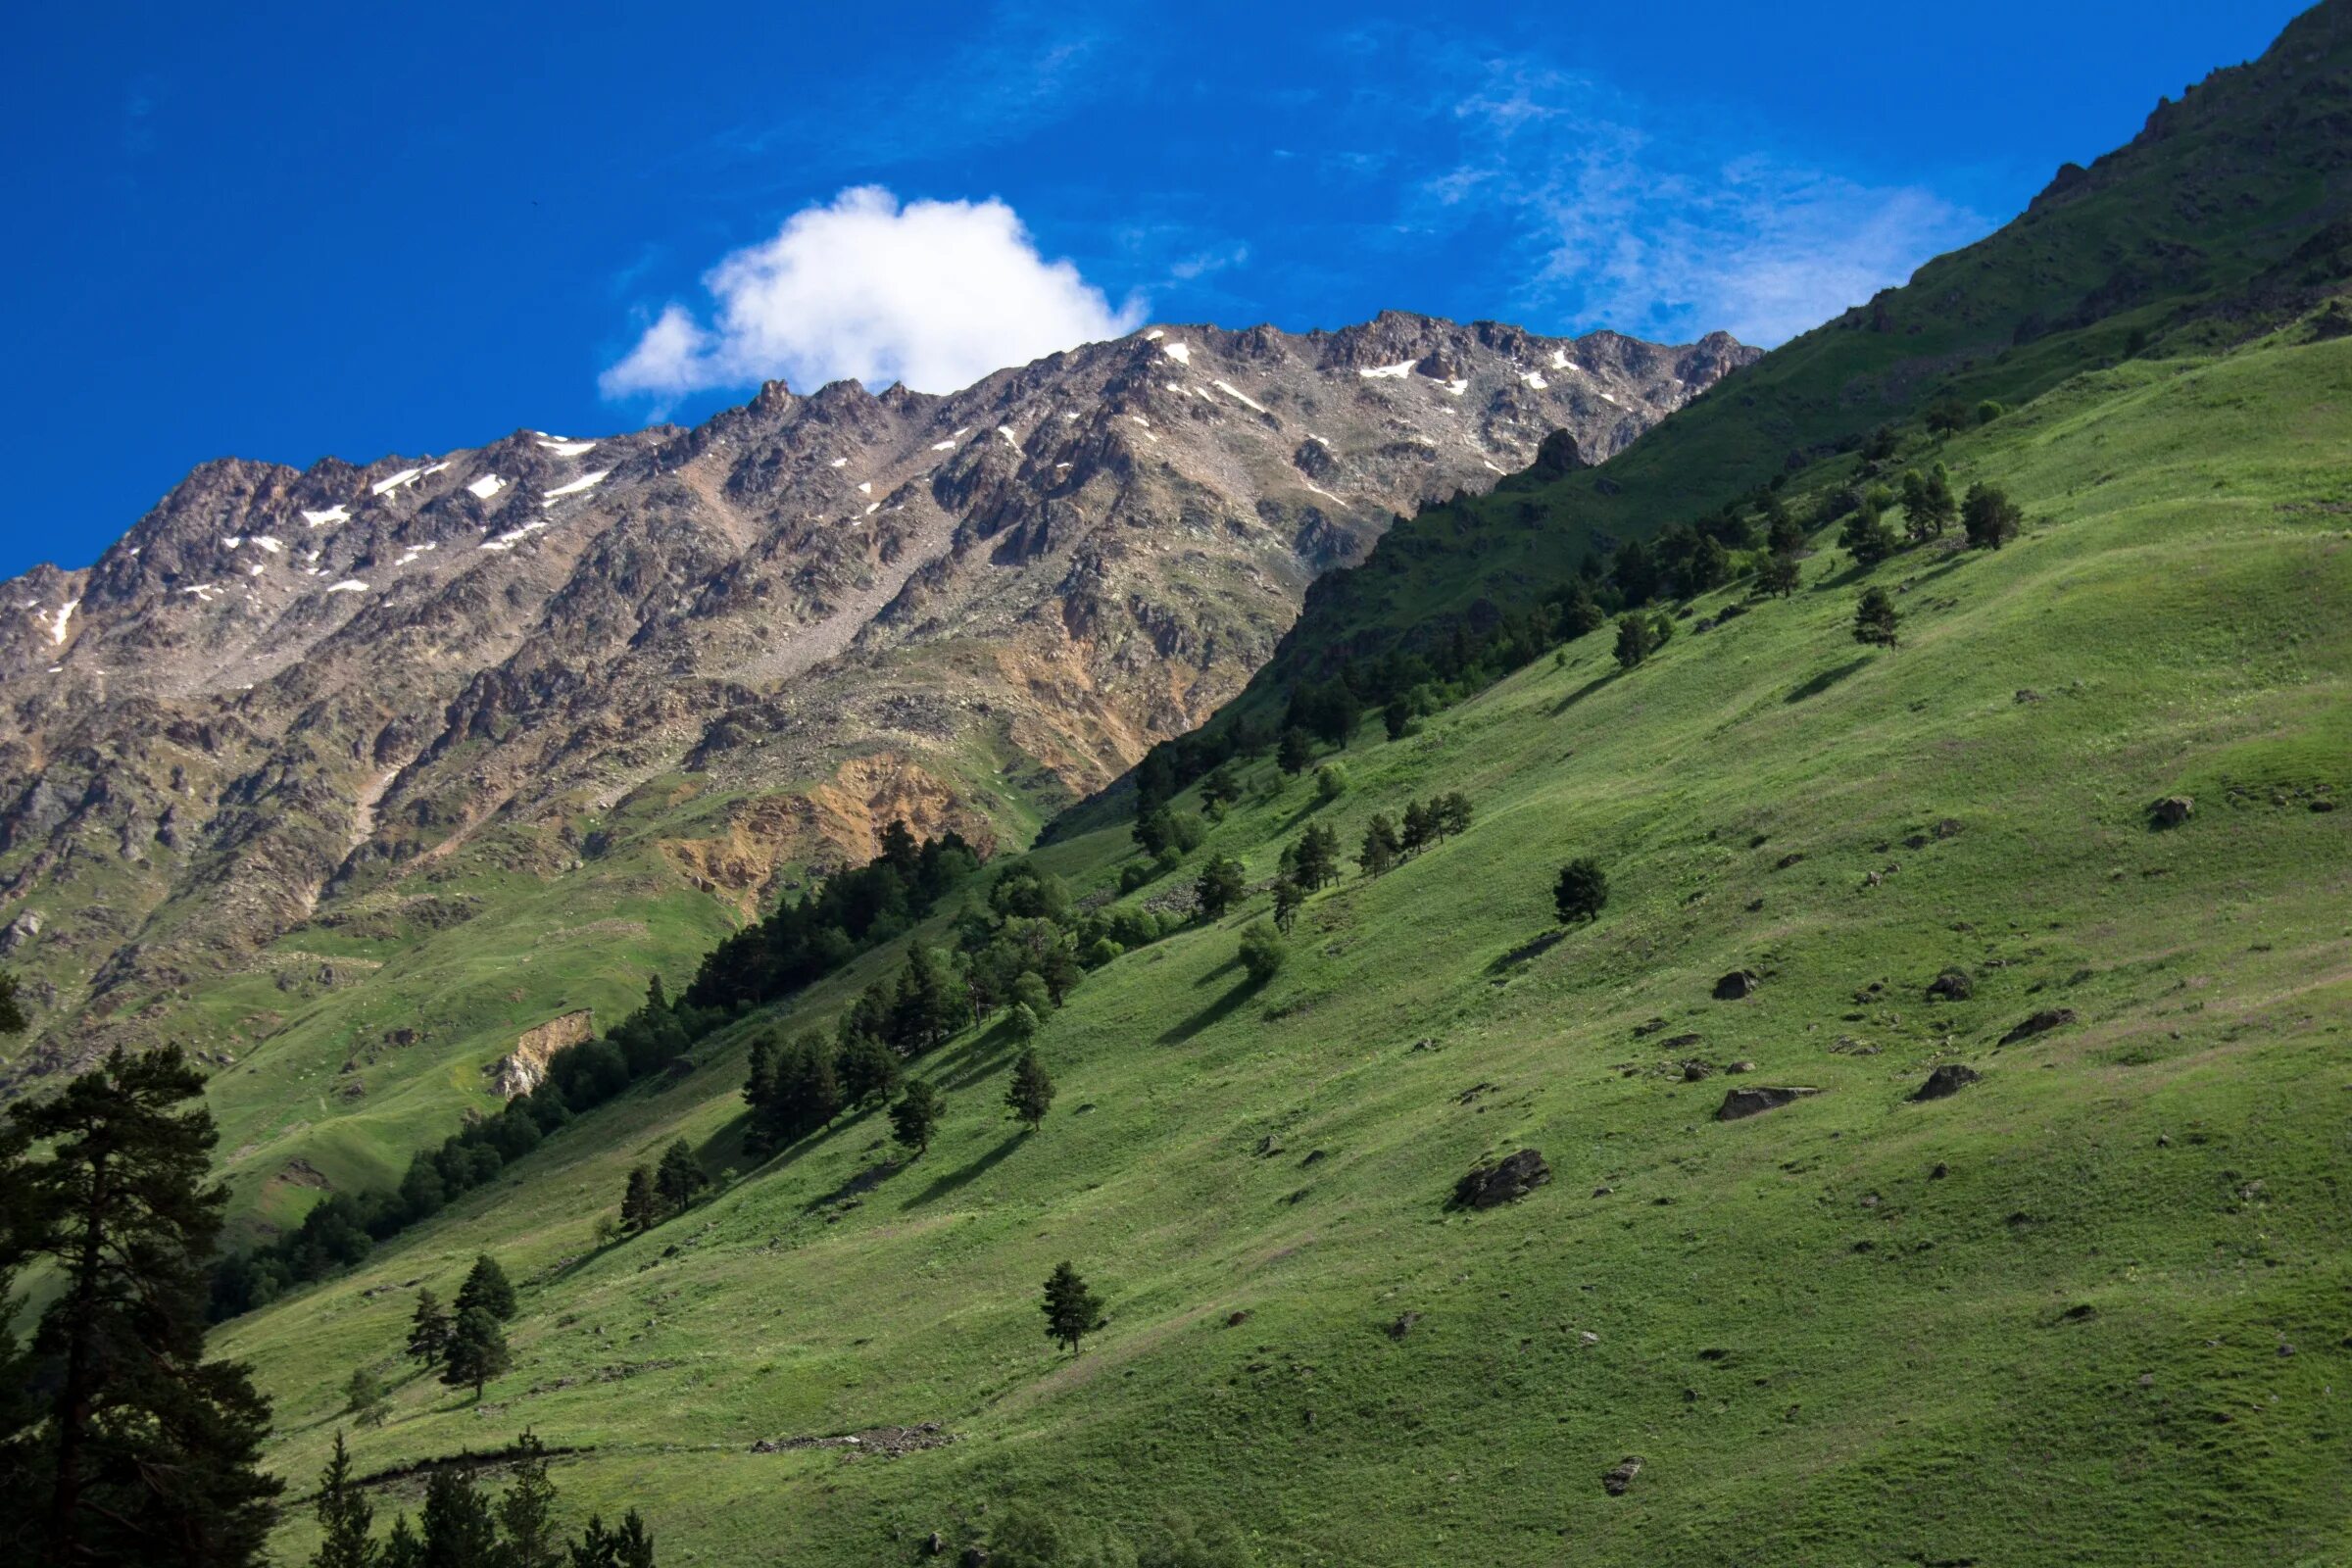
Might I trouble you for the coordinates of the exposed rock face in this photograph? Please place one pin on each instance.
(284, 692)
(525, 1068)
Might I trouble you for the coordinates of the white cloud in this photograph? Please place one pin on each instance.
(935, 294)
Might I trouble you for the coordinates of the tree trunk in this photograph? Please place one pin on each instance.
(74, 1400)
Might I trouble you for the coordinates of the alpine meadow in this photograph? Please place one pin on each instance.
(1424, 943)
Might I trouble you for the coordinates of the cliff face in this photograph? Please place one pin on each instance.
(525, 1068)
(286, 699)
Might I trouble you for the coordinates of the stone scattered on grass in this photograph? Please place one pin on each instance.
(1504, 1182)
(2040, 1023)
(1947, 1081)
(1739, 1103)
(2172, 811)
(1620, 1475)
(1737, 984)
(1953, 985)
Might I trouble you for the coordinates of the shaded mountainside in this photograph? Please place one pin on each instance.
(299, 734)
(2232, 205)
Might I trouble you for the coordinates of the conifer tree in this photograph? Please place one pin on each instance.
(915, 1118)
(1072, 1311)
(1220, 886)
(640, 1206)
(344, 1516)
(458, 1530)
(1295, 750)
(1581, 892)
(526, 1523)
(1397, 717)
(1635, 640)
(149, 1452)
(1786, 536)
(679, 1178)
(1381, 846)
(1450, 813)
(1989, 517)
(868, 1071)
(1418, 831)
(428, 1330)
(477, 1353)
(401, 1548)
(1288, 897)
(760, 1082)
(626, 1547)
(1031, 1092)
(364, 1396)
(1874, 619)
(486, 1287)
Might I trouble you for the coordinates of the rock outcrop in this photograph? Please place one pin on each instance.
(525, 1068)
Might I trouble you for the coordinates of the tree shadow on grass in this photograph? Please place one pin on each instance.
(1825, 680)
(1527, 952)
(864, 1180)
(1586, 690)
(1232, 998)
(976, 1057)
(964, 1175)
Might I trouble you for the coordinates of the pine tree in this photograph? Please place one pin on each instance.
(150, 1449)
(1381, 846)
(526, 1523)
(1781, 575)
(1288, 897)
(1315, 860)
(477, 1353)
(344, 1516)
(1072, 1311)
(640, 1208)
(760, 1082)
(915, 1118)
(1220, 886)
(1022, 1022)
(1397, 717)
(1866, 536)
(429, 1331)
(1295, 750)
(458, 1530)
(932, 1003)
(1989, 517)
(1031, 1092)
(486, 1287)
(1581, 892)
(1418, 831)
(1635, 640)
(401, 1548)
(628, 1546)
(679, 1178)
(1786, 535)
(868, 1071)
(1450, 813)
(364, 1396)
(1874, 619)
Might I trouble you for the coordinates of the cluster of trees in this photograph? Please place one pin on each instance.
(1025, 1537)
(120, 1443)
(653, 1194)
(458, 1527)
(464, 1342)
(851, 911)
(1425, 823)
(1986, 517)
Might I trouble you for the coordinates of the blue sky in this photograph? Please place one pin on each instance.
(286, 232)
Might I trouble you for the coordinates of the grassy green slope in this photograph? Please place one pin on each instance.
(2073, 1347)
(2209, 216)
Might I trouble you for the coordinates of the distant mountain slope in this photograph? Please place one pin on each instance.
(296, 728)
(2233, 203)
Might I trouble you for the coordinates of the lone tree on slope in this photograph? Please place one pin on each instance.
(486, 1287)
(1072, 1311)
(1581, 892)
(915, 1118)
(1989, 517)
(1031, 1092)
(1874, 619)
(477, 1351)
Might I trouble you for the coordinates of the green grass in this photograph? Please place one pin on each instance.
(2067, 1349)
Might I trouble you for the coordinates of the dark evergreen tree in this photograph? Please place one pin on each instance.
(1397, 717)
(915, 1118)
(1636, 575)
(640, 1205)
(932, 1001)
(1022, 1022)
(344, 1515)
(1866, 536)
(401, 1548)
(1781, 575)
(677, 1179)
(868, 1070)
(486, 1287)
(1314, 862)
(760, 1082)
(458, 1530)
(1296, 750)
(1220, 886)
(1449, 813)
(477, 1353)
(1635, 640)
(1381, 846)
(628, 1547)
(1992, 519)
(1262, 951)
(1786, 535)
(1031, 1092)
(148, 1452)
(1072, 1311)
(428, 1330)
(1289, 895)
(1419, 831)
(526, 1511)
(1874, 619)
(1582, 890)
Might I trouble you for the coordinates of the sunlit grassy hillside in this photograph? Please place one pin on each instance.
(2089, 1309)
